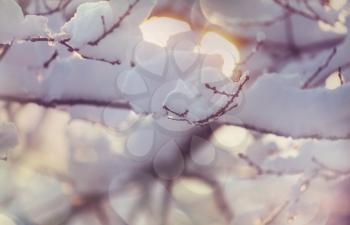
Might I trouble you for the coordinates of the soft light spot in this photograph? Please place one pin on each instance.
(257, 221)
(158, 30)
(5, 220)
(191, 190)
(214, 43)
(337, 4)
(195, 186)
(338, 27)
(333, 81)
(230, 136)
(303, 188)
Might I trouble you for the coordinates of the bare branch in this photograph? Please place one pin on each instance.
(70, 48)
(166, 202)
(340, 76)
(62, 4)
(270, 218)
(261, 171)
(115, 25)
(64, 102)
(256, 48)
(4, 50)
(51, 59)
(219, 195)
(319, 69)
(312, 14)
(261, 23)
(229, 105)
(335, 173)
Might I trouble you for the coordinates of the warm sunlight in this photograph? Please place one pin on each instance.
(214, 43)
(231, 137)
(174, 112)
(5, 220)
(158, 30)
(333, 81)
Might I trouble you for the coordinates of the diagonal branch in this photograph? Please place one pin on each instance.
(116, 25)
(51, 10)
(312, 14)
(319, 69)
(228, 106)
(4, 50)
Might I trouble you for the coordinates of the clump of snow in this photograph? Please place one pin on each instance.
(107, 30)
(92, 19)
(13, 24)
(302, 113)
(176, 80)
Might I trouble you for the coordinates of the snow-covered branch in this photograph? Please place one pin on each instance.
(313, 113)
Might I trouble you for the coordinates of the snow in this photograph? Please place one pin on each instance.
(81, 79)
(87, 24)
(333, 154)
(318, 113)
(230, 14)
(96, 20)
(92, 19)
(175, 77)
(13, 24)
(140, 132)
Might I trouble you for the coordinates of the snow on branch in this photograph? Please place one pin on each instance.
(319, 69)
(64, 102)
(95, 21)
(13, 23)
(306, 9)
(115, 25)
(70, 48)
(226, 107)
(317, 113)
(337, 58)
(49, 8)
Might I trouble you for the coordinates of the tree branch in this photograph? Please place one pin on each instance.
(116, 25)
(319, 69)
(65, 102)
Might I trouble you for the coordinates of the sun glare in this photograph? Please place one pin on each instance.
(214, 43)
(158, 30)
(333, 81)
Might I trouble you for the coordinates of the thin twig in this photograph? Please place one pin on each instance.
(229, 105)
(70, 48)
(50, 60)
(309, 15)
(116, 25)
(340, 76)
(4, 50)
(60, 6)
(319, 69)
